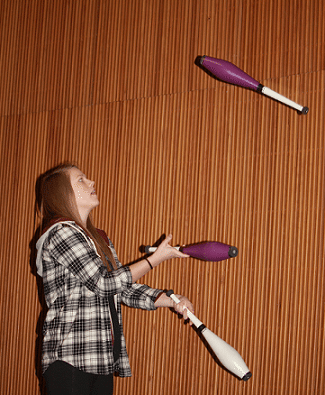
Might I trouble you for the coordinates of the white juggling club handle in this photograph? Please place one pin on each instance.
(227, 355)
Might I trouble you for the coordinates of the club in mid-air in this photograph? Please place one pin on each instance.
(226, 354)
(228, 72)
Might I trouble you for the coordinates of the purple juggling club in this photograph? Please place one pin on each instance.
(228, 72)
(213, 251)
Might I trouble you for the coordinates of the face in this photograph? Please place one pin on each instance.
(84, 191)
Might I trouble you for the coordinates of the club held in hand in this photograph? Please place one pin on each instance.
(226, 354)
(212, 251)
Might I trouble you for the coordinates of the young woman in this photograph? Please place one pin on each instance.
(84, 285)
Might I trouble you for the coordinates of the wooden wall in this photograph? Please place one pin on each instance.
(112, 85)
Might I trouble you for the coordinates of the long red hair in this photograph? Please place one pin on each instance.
(55, 199)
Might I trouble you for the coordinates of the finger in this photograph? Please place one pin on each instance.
(182, 255)
(166, 241)
(180, 309)
(184, 312)
(185, 316)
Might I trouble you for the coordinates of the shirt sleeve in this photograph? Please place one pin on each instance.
(141, 296)
(71, 249)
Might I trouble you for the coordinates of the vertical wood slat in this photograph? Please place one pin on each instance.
(113, 86)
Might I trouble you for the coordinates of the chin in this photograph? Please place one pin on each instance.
(96, 203)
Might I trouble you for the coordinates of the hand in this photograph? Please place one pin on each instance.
(165, 251)
(182, 306)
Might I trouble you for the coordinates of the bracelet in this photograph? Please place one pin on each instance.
(151, 267)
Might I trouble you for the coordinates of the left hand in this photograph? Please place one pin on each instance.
(165, 251)
(182, 306)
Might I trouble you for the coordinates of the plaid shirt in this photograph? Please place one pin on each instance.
(77, 327)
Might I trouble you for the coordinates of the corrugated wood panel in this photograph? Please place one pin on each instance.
(113, 86)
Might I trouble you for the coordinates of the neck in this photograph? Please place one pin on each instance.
(84, 219)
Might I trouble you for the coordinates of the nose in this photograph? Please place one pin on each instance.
(92, 183)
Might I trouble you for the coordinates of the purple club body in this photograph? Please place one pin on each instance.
(228, 72)
(213, 251)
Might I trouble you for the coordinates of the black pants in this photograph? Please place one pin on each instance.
(64, 379)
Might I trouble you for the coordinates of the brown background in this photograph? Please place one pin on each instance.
(113, 86)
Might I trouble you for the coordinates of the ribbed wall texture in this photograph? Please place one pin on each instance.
(113, 86)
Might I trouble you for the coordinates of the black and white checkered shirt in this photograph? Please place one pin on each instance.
(77, 327)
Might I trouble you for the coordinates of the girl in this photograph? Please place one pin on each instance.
(84, 285)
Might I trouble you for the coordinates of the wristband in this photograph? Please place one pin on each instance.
(151, 267)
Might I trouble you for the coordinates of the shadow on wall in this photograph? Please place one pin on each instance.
(40, 291)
